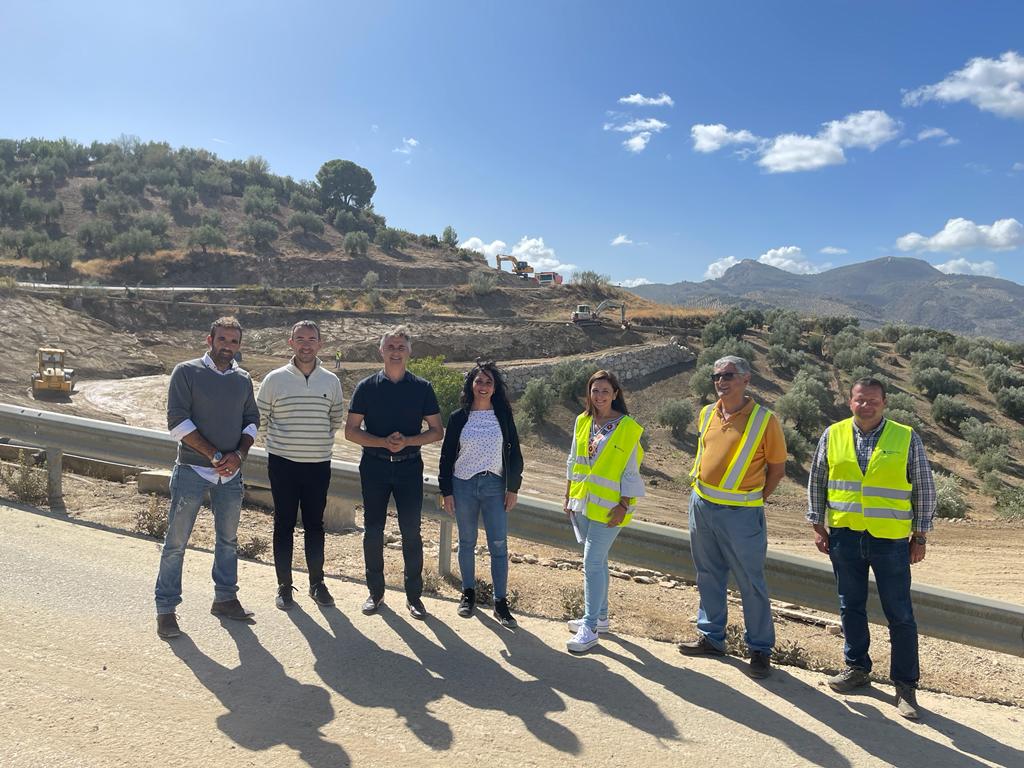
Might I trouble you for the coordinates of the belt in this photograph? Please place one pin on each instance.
(393, 457)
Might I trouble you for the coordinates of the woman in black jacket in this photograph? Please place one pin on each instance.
(480, 474)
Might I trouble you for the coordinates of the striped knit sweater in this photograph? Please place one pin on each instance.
(299, 415)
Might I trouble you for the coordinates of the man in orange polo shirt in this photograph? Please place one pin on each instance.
(741, 456)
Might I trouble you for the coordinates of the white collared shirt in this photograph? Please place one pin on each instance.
(209, 474)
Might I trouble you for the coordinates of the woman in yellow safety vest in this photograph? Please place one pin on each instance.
(603, 483)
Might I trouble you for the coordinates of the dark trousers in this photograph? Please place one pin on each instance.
(380, 481)
(852, 553)
(296, 484)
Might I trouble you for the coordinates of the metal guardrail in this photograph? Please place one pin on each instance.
(941, 613)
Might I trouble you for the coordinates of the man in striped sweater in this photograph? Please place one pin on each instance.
(301, 409)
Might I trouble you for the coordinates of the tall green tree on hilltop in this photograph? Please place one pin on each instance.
(343, 184)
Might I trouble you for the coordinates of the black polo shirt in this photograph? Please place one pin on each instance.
(387, 407)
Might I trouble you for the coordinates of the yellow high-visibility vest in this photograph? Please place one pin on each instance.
(727, 491)
(876, 501)
(598, 480)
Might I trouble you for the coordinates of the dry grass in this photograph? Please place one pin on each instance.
(24, 481)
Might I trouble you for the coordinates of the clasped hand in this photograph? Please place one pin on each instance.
(395, 442)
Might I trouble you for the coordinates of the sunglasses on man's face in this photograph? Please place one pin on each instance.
(725, 376)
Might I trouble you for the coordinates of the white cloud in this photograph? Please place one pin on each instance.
(992, 85)
(219, 141)
(711, 138)
(374, 128)
(789, 152)
(489, 250)
(963, 234)
(408, 145)
(790, 258)
(832, 250)
(637, 143)
(965, 267)
(648, 124)
(718, 268)
(633, 282)
(639, 100)
(621, 240)
(937, 133)
(541, 257)
(1018, 166)
(869, 128)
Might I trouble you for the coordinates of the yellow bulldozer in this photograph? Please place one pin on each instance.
(52, 378)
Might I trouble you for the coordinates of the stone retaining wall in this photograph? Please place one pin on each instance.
(627, 364)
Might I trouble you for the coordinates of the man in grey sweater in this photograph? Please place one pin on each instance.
(212, 413)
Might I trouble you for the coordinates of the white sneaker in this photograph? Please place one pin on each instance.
(585, 639)
(603, 625)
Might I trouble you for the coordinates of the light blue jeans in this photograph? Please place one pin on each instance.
(726, 538)
(597, 541)
(482, 496)
(187, 489)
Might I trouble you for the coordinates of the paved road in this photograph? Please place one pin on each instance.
(87, 683)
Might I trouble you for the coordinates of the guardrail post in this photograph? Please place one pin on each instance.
(54, 484)
(444, 548)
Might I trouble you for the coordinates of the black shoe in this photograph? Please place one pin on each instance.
(231, 609)
(167, 626)
(906, 701)
(284, 599)
(371, 604)
(320, 595)
(467, 603)
(416, 609)
(700, 647)
(760, 665)
(849, 679)
(504, 615)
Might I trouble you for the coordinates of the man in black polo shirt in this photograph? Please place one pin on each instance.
(386, 418)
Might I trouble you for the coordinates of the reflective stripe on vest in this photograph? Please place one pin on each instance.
(598, 481)
(877, 501)
(727, 491)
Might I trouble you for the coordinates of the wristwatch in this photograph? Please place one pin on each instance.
(919, 539)
(217, 458)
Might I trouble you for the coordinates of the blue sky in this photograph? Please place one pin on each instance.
(803, 134)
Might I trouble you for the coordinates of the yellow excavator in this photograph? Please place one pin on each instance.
(52, 378)
(519, 267)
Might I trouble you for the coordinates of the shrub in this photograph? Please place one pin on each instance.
(782, 359)
(949, 411)
(983, 355)
(447, 383)
(988, 462)
(900, 400)
(389, 239)
(260, 232)
(798, 446)
(726, 346)
(714, 331)
(346, 221)
(998, 376)
(482, 283)
(929, 358)
(1010, 504)
(535, 403)
(913, 342)
(254, 548)
(904, 417)
(449, 238)
(949, 496)
(572, 602)
(850, 358)
(24, 481)
(1011, 402)
(802, 409)
(8, 285)
(588, 278)
(135, 242)
(568, 379)
(701, 384)
(934, 381)
(206, 236)
(307, 222)
(677, 414)
(151, 519)
(370, 280)
(356, 243)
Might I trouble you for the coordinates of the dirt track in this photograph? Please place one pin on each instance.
(87, 683)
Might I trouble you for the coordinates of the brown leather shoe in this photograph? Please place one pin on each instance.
(167, 626)
(231, 609)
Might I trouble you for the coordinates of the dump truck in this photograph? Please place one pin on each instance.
(52, 378)
(549, 278)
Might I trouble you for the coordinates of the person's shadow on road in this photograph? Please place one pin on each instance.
(370, 676)
(265, 706)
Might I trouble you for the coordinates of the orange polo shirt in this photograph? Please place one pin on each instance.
(722, 440)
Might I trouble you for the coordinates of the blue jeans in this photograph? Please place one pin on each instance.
(187, 490)
(597, 541)
(482, 496)
(852, 552)
(726, 538)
